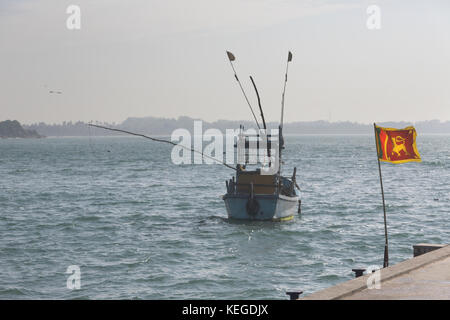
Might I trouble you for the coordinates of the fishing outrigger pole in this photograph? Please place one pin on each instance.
(231, 58)
(163, 141)
(289, 59)
(284, 89)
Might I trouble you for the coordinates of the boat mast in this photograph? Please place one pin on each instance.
(281, 142)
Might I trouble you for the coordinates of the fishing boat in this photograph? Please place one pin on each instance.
(259, 194)
(254, 194)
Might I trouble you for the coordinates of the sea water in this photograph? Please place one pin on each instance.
(138, 226)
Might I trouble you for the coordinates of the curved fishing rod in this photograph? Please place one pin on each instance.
(162, 140)
(262, 116)
(231, 58)
(259, 104)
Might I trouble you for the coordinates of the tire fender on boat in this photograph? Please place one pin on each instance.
(252, 206)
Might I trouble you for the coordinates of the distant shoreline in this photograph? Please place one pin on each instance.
(11, 129)
(164, 127)
(168, 136)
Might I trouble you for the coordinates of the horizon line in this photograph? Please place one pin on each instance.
(218, 120)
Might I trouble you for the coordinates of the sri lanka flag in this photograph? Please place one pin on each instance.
(396, 145)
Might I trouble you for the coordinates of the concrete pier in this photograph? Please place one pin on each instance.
(422, 248)
(426, 276)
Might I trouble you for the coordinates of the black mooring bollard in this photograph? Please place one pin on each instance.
(293, 295)
(358, 272)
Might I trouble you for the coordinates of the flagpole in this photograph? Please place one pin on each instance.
(386, 245)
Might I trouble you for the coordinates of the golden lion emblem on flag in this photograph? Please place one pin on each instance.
(399, 145)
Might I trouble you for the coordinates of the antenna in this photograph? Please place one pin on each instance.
(231, 57)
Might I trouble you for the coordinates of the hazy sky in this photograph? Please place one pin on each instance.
(137, 58)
